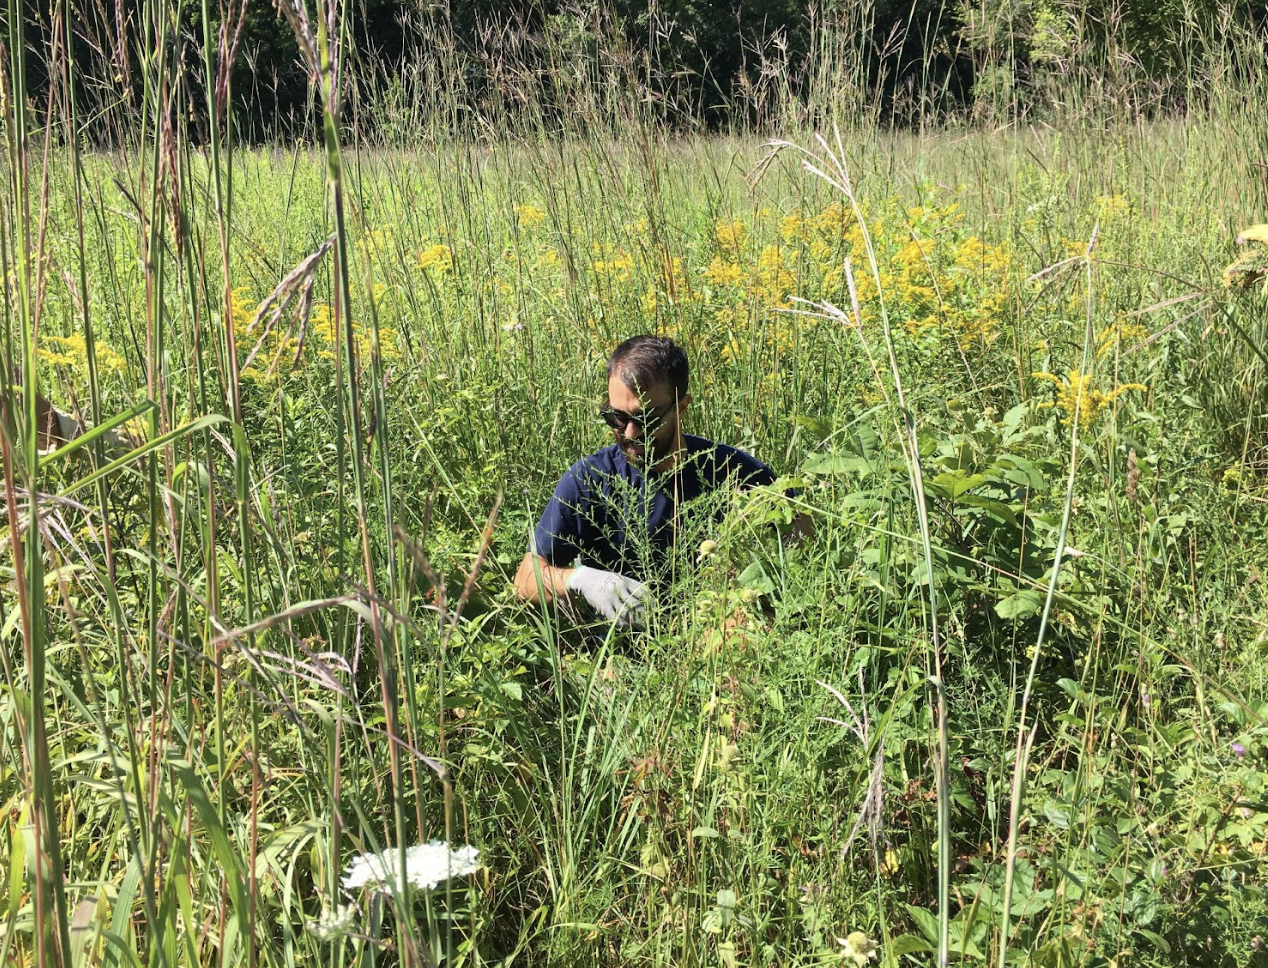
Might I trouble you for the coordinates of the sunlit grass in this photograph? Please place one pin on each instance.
(278, 634)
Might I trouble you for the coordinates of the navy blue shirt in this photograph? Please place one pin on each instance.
(606, 512)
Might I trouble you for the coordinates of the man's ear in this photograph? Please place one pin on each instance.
(683, 402)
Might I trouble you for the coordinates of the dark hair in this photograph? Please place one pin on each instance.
(646, 361)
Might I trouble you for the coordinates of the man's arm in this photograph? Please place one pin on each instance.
(553, 580)
(559, 536)
(616, 598)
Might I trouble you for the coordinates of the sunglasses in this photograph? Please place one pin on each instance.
(646, 420)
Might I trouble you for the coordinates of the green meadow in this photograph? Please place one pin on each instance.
(1006, 706)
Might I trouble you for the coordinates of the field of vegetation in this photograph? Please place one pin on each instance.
(1008, 705)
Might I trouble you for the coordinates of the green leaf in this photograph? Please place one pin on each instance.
(121, 916)
(1020, 605)
(826, 465)
(1018, 470)
(909, 944)
(997, 510)
(819, 426)
(755, 577)
(954, 484)
(926, 921)
(230, 861)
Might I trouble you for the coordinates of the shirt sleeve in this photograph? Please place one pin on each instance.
(561, 533)
(747, 471)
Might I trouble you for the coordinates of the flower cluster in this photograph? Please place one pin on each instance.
(944, 282)
(322, 327)
(936, 281)
(731, 236)
(270, 349)
(1122, 334)
(72, 353)
(275, 349)
(612, 264)
(529, 216)
(1077, 392)
(426, 866)
(732, 291)
(436, 258)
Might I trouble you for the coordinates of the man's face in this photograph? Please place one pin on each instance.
(656, 447)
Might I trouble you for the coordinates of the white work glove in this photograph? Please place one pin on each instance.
(617, 598)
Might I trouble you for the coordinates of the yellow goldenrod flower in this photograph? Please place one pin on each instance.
(722, 273)
(973, 254)
(731, 235)
(377, 241)
(792, 228)
(322, 328)
(833, 219)
(674, 279)
(775, 282)
(56, 359)
(1076, 392)
(615, 263)
(437, 258)
(137, 429)
(74, 353)
(915, 252)
(1120, 333)
(734, 351)
(1073, 248)
(529, 216)
(1110, 207)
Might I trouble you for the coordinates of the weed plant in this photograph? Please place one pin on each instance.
(1006, 705)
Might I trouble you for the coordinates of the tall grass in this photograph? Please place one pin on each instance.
(277, 632)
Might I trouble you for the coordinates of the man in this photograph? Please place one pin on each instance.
(620, 510)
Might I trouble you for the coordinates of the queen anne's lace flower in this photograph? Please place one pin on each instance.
(333, 923)
(426, 865)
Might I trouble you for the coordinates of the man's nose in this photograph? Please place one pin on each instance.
(633, 429)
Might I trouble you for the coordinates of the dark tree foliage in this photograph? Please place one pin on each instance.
(701, 55)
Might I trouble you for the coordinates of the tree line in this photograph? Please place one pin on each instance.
(417, 66)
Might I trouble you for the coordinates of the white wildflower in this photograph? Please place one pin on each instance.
(332, 924)
(858, 947)
(426, 865)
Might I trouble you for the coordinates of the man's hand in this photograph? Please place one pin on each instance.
(617, 598)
